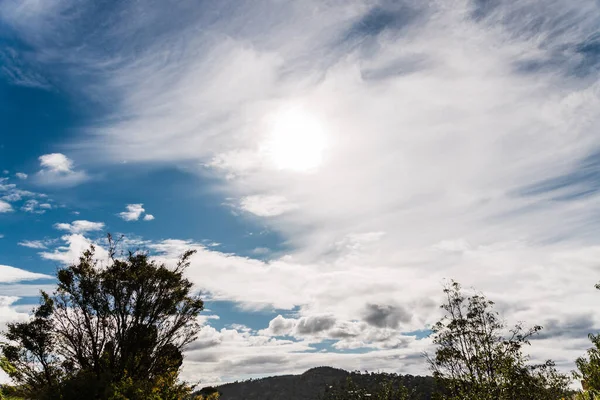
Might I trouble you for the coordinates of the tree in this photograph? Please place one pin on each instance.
(477, 358)
(207, 393)
(589, 367)
(108, 332)
(385, 390)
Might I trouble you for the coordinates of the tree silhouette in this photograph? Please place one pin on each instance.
(107, 332)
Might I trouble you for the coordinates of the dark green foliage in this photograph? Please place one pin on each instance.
(111, 332)
(387, 389)
(589, 367)
(475, 359)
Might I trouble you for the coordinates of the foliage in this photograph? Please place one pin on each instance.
(107, 332)
(386, 390)
(212, 396)
(476, 358)
(589, 367)
(207, 393)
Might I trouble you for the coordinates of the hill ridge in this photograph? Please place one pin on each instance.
(312, 383)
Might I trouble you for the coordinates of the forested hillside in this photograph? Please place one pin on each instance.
(313, 384)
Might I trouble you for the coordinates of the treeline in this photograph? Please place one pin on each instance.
(317, 383)
(118, 331)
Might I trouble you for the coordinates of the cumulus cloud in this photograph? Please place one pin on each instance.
(74, 245)
(58, 170)
(386, 316)
(5, 207)
(315, 324)
(56, 162)
(134, 212)
(80, 226)
(21, 175)
(280, 326)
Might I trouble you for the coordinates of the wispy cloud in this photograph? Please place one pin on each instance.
(461, 142)
(35, 207)
(80, 226)
(9, 192)
(33, 244)
(10, 274)
(266, 206)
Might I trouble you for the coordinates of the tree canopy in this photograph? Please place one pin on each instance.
(114, 331)
(588, 367)
(478, 358)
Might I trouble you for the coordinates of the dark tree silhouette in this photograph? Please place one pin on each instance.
(108, 332)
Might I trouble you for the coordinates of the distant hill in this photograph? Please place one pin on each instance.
(312, 384)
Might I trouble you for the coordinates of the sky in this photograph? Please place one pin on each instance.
(333, 162)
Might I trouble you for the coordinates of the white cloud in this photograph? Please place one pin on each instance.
(75, 245)
(148, 217)
(468, 141)
(11, 193)
(133, 213)
(453, 246)
(56, 162)
(5, 207)
(266, 206)
(33, 244)
(236, 352)
(261, 250)
(35, 207)
(25, 290)
(21, 175)
(58, 170)
(11, 274)
(80, 226)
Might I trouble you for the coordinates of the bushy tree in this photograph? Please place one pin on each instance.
(588, 367)
(478, 358)
(114, 331)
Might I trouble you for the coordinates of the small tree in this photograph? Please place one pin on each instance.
(476, 359)
(589, 367)
(108, 332)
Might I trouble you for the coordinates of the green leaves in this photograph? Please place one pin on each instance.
(476, 359)
(110, 332)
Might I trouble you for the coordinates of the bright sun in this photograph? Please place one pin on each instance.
(296, 140)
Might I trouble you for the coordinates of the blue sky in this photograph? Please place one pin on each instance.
(333, 162)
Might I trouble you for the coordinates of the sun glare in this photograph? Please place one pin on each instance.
(296, 141)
